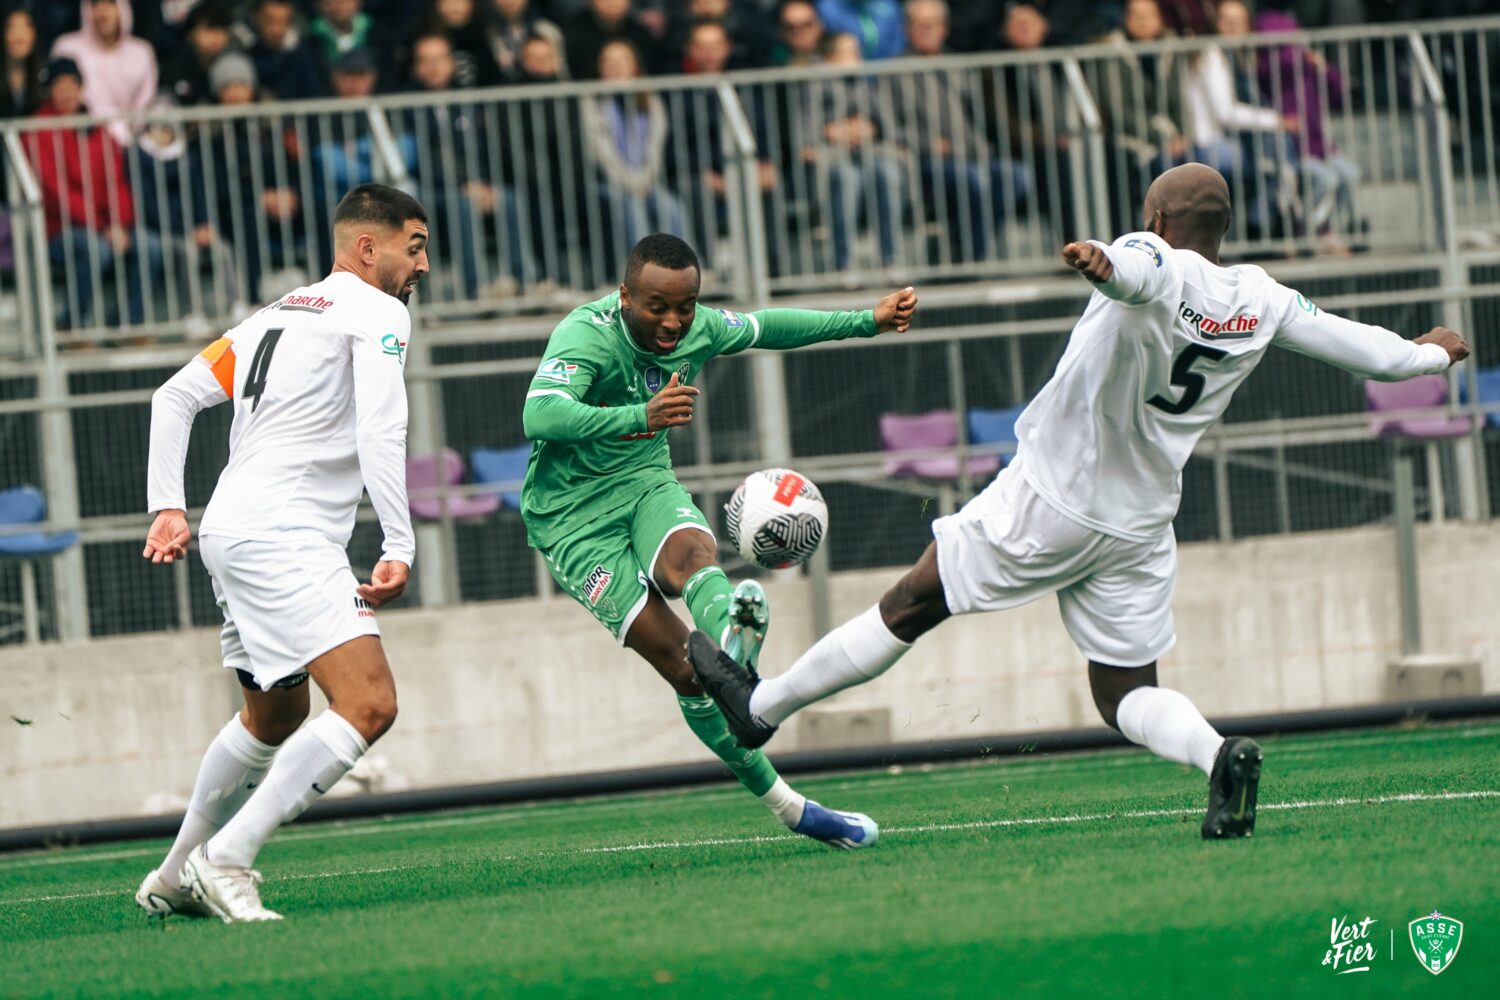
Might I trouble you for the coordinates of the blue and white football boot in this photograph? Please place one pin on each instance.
(846, 831)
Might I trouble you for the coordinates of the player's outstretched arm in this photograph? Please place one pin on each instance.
(199, 384)
(1133, 270)
(788, 329)
(1371, 351)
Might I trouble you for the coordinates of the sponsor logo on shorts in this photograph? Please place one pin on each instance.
(394, 346)
(362, 607)
(787, 490)
(1146, 247)
(596, 584)
(1240, 327)
(556, 370)
(653, 379)
(732, 318)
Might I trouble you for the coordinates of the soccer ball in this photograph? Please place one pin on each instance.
(776, 518)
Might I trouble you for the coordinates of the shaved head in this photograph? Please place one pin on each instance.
(1190, 202)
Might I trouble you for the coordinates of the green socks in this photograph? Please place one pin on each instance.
(707, 595)
(752, 767)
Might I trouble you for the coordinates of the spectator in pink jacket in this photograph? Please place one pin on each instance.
(119, 69)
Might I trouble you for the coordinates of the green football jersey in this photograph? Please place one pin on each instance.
(590, 462)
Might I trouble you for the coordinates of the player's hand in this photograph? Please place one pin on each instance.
(1089, 261)
(168, 538)
(1448, 340)
(387, 582)
(672, 407)
(894, 312)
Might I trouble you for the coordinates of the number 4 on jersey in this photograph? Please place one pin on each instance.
(255, 381)
(1192, 382)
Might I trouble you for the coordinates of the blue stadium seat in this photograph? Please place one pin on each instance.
(1488, 382)
(994, 427)
(501, 465)
(27, 505)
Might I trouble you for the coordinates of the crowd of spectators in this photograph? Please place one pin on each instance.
(977, 157)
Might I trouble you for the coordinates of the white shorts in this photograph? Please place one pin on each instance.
(285, 603)
(1008, 547)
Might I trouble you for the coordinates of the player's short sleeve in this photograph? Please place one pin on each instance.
(732, 331)
(572, 361)
(1143, 266)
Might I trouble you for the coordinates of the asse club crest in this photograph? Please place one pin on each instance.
(1435, 939)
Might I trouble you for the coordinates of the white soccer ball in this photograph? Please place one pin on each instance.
(776, 518)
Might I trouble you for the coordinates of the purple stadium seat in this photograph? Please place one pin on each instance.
(1422, 392)
(447, 469)
(937, 429)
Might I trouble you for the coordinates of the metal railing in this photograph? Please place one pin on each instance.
(779, 225)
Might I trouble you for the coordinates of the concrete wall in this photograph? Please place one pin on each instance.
(524, 689)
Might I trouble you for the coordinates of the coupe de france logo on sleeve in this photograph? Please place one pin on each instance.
(556, 370)
(1146, 247)
(732, 318)
(394, 346)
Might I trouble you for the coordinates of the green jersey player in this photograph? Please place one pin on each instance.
(602, 503)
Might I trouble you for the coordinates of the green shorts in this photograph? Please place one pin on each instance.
(608, 565)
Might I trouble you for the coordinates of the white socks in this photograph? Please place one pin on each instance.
(233, 766)
(859, 650)
(1169, 725)
(319, 754)
(785, 802)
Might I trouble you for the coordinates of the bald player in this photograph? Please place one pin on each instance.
(315, 379)
(1085, 509)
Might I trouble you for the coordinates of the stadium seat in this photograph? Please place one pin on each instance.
(501, 465)
(445, 469)
(26, 505)
(995, 427)
(1488, 383)
(1422, 392)
(935, 429)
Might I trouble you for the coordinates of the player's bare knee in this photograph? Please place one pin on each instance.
(909, 612)
(376, 715)
(685, 554)
(1109, 686)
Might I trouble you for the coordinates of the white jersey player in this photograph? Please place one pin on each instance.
(1085, 509)
(315, 379)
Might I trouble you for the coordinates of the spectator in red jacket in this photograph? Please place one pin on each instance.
(87, 203)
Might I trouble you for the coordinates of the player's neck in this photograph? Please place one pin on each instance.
(355, 267)
(1207, 249)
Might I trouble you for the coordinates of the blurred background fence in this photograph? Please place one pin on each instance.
(1363, 161)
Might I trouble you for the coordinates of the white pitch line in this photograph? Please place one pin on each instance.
(786, 838)
(957, 772)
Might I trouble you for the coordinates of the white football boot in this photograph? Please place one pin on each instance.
(749, 620)
(160, 898)
(231, 893)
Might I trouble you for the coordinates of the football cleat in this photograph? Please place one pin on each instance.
(1232, 788)
(729, 684)
(231, 893)
(749, 619)
(160, 898)
(846, 831)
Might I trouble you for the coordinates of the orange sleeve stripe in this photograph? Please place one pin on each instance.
(223, 367)
(213, 352)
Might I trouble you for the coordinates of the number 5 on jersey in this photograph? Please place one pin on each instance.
(1192, 382)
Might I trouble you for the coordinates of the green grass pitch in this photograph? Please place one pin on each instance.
(1058, 876)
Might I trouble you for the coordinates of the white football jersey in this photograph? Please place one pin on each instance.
(319, 415)
(1153, 363)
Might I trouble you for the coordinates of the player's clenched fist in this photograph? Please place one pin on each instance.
(672, 407)
(894, 312)
(1090, 261)
(1448, 340)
